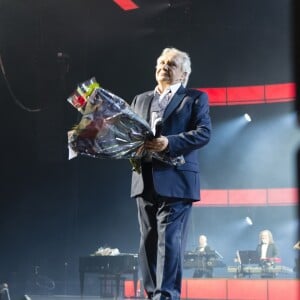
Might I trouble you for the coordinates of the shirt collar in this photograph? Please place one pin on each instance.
(172, 88)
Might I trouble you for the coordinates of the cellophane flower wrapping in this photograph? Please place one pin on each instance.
(109, 128)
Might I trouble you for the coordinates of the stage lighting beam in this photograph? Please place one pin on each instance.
(247, 117)
(249, 221)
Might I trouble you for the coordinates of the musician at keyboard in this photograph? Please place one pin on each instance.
(206, 257)
(263, 261)
(267, 253)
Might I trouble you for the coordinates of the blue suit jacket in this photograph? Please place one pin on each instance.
(187, 125)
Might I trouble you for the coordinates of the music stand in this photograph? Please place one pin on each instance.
(248, 257)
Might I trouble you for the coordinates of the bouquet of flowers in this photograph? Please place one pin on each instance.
(109, 128)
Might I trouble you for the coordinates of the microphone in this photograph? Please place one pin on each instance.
(158, 128)
(156, 124)
(1, 65)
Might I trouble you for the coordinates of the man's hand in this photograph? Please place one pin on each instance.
(157, 144)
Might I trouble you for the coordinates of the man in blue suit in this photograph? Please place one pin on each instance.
(164, 193)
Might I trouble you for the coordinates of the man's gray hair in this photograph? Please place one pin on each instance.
(270, 236)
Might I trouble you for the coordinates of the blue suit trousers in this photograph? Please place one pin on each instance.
(163, 226)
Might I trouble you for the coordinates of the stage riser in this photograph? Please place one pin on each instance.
(235, 289)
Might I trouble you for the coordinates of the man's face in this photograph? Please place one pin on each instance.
(202, 241)
(168, 69)
(265, 238)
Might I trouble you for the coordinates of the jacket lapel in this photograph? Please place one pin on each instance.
(177, 98)
(146, 104)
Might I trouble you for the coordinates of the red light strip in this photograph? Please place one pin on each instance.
(126, 4)
(249, 197)
(256, 94)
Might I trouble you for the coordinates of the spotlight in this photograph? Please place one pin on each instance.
(247, 118)
(249, 221)
(4, 292)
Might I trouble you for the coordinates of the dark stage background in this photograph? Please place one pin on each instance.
(54, 210)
